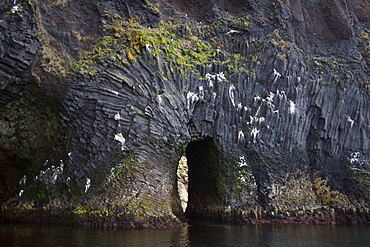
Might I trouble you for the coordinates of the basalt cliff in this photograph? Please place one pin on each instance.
(269, 101)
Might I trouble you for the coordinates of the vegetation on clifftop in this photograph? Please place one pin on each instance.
(187, 47)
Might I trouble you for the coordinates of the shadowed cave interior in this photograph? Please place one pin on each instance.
(201, 166)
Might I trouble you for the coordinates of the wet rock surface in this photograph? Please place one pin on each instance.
(269, 101)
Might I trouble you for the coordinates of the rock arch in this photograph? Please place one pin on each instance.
(281, 121)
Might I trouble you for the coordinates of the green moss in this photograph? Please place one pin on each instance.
(121, 172)
(361, 176)
(98, 54)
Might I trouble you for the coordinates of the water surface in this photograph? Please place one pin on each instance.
(200, 234)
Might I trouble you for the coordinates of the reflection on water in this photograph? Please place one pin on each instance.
(195, 235)
(52, 235)
(279, 235)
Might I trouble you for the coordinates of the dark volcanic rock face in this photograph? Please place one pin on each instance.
(269, 102)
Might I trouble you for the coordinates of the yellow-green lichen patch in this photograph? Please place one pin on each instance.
(99, 211)
(326, 195)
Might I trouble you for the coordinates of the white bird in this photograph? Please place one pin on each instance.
(232, 31)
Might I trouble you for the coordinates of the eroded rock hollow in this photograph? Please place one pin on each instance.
(268, 101)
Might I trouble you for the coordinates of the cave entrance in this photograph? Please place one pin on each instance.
(203, 162)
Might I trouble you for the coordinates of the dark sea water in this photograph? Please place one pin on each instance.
(200, 234)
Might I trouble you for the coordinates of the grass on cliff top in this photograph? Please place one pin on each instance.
(127, 40)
